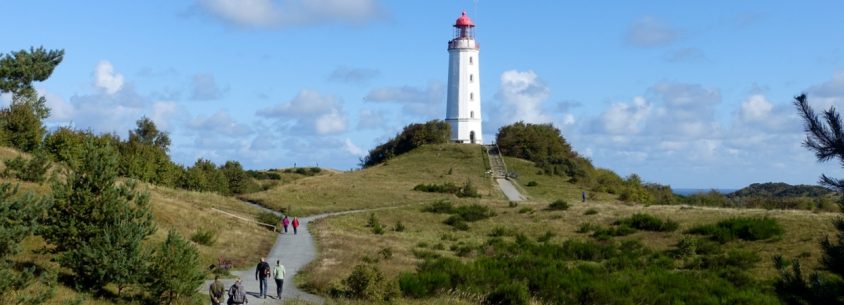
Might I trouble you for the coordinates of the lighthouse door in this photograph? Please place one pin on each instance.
(472, 137)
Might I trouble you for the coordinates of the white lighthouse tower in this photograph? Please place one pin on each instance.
(463, 110)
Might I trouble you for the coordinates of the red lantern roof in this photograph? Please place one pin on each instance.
(464, 21)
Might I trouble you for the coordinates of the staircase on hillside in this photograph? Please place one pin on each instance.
(496, 163)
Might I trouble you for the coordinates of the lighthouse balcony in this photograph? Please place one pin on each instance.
(464, 43)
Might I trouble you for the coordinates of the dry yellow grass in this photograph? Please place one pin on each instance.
(388, 184)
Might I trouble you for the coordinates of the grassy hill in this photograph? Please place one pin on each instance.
(186, 212)
(387, 184)
(346, 241)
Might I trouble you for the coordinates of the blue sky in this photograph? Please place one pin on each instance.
(692, 95)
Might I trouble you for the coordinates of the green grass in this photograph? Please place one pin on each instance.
(428, 235)
(383, 185)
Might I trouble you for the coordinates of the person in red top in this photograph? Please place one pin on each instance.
(295, 225)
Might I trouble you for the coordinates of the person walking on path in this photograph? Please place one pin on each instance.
(237, 295)
(217, 291)
(295, 225)
(583, 196)
(278, 275)
(285, 222)
(262, 272)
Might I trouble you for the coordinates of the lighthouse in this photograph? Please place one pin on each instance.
(463, 109)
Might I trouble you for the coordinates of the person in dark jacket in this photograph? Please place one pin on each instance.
(262, 272)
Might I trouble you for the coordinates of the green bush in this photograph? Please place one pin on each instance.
(525, 210)
(474, 212)
(33, 170)
(745, 228)
(588, 272)
(648, 222)
(468, 190)
(366, 282)
(558, 205)
(205, 237)
(590, 212)
(532, 183)
(399, 227)
(457, 222)
(411, 137)
(509, 293)
(440, 207)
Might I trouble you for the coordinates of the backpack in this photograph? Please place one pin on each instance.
(237, 296)
(264, 269)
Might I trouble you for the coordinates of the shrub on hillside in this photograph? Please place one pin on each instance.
(511, 293)
(366, 282)
(413, 136)
(446, 188)
(474, 212)
(32, 170)
(205, 237)
(467, 190)
(647, 222)
(532, 183)
(745, 228)
(588, 272)
(558, 205)
(440, 207)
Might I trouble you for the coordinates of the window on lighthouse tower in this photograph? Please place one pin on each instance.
(470, 60)
(471, 78)
(471, 96)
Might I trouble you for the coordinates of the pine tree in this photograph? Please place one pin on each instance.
(826, 139)
(19, 217)
(98, 224)
(174, 269)
(20, 124)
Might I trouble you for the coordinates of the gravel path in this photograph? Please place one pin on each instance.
(510, 190)
(294, 251)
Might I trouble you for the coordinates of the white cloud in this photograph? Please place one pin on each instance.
(60, 110)
(626, 118)
(220, 123)
(332, 122)
(428, 102)
(205, 87)
(756, 108)
(828, 93)
(353, 149)
(106, 79)
(163, 112)
(309, 112)
(306, 102)
(353, 75)
(650, 32)
(282, 13)
(523, 94)
(371, 119)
